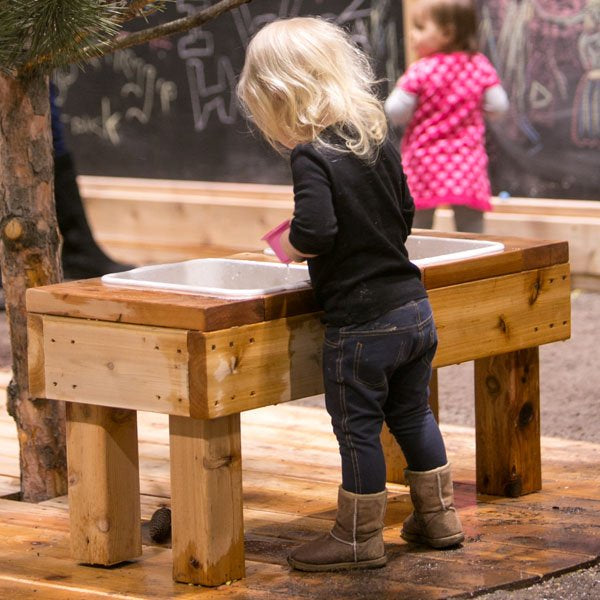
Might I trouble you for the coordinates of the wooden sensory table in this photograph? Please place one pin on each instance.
(111, 351)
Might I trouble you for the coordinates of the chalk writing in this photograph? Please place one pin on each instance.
(199, 50)
(138, 92)
(207, 96)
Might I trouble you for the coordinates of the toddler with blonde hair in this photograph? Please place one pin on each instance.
(309, 90)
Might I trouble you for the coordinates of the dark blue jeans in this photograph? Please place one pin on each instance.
(380, 371)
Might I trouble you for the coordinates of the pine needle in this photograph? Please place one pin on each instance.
(59, 32)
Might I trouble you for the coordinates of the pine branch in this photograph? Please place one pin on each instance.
(166, 29)
(45, 34)
(139, 8)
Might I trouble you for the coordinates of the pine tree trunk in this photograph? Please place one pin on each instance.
(30, 257)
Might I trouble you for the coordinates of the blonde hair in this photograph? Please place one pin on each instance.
(304, 75)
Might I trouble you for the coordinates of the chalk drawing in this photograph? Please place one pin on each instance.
(547, 53)
(534, 51)
(585, 130)
(207, 98)
(105, 125)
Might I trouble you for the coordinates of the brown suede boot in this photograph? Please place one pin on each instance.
(356, 540)
(434, 521)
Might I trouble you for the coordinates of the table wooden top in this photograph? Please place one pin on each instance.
(91, 299)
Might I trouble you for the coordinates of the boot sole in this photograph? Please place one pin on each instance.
(375, 563)
(445, 542)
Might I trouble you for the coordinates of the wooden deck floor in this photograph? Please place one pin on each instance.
(291, 473)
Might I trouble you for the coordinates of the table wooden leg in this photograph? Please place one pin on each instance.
(104, 486)
(507, 428)
(394, 459)
(206, 500)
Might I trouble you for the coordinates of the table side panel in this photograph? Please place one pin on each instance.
(518, 256)
(277, 361)
(213, 374)
(258, 365)
(502, 314)
(472, 269)
(111, 364)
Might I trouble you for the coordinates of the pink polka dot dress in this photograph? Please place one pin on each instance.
(443, 151)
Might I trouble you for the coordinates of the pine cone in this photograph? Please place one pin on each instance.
(160, 525)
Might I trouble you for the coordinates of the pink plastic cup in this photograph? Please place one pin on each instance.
(273, 238)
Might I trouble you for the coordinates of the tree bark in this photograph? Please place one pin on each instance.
(30, 257)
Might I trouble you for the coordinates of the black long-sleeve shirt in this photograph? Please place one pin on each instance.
(356, 218)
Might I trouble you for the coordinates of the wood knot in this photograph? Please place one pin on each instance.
(526, 414)
(13, 229)
(502, 325)
(18, 233)
(103, 525)
(535, 292)
(194, 562)
(217, 462)
(492, 385)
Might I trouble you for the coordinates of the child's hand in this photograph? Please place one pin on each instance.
(279, 240)
(291, 251)
(275, 239)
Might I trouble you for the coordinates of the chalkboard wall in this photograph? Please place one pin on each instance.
(168, 109)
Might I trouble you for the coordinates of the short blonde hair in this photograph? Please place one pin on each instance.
(303, 75)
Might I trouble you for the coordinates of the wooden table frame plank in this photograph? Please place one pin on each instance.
(206, 500)
(507, 429)
(104, 485)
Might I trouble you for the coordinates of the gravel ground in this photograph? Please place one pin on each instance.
(570, 384)
(577, 585)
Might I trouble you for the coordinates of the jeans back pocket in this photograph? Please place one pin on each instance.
(372, 360)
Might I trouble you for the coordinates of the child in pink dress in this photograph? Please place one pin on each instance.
(442, 98)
